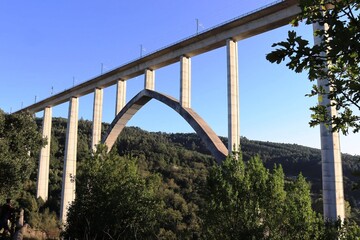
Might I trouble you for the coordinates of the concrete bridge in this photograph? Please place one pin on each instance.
(228, 34)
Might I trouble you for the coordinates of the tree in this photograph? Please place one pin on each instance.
(20, 142)
(247, 201)
(340, 36)
(113, 201)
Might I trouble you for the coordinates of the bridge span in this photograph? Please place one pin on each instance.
(228, 34)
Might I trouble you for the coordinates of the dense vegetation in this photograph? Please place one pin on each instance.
(19, 148)
(183, 162)
(113, 200)
(171, 173)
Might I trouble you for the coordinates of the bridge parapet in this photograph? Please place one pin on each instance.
(265, 19)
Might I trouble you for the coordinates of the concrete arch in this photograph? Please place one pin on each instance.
(207, 135)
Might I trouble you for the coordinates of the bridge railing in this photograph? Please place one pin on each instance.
(174, 43)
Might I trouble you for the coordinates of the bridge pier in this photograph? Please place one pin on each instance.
(332, 175)
(233, 96)
(69, 172)
(120, 95)
(185, 81)
(149, 79)
(97, 118)
(44, 159)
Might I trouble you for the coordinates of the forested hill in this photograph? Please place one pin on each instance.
(183, 161)
(295, 159)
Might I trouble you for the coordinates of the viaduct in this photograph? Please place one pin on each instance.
(228, 34)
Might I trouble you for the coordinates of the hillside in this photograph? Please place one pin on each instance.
(295, 159)
(183, 162)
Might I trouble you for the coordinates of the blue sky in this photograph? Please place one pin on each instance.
(47, 46)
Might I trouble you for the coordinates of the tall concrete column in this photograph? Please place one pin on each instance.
(120, 96)
(44, 159)
(149, 79)
(185, 81)
(233, 96)
(332, 175)
(69, 172)
(97, 118)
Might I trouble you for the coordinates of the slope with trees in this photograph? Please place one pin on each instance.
(184, 170)
(247, 201)
(165, 168)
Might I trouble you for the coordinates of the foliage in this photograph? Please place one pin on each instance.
(295, 159)
(342, 230)
(36, 215)
(20, 142)
(181, 164)
(184, 171)
(340, 35)
(113, 201)
(247, 201)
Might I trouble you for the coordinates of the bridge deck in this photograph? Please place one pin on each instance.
(266, 19)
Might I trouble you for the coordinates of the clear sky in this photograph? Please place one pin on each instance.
(47, 46)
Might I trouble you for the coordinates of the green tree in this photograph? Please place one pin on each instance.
(247, 201)
(302, 221)
(20, 142)
(340, 65)
(113, 201)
